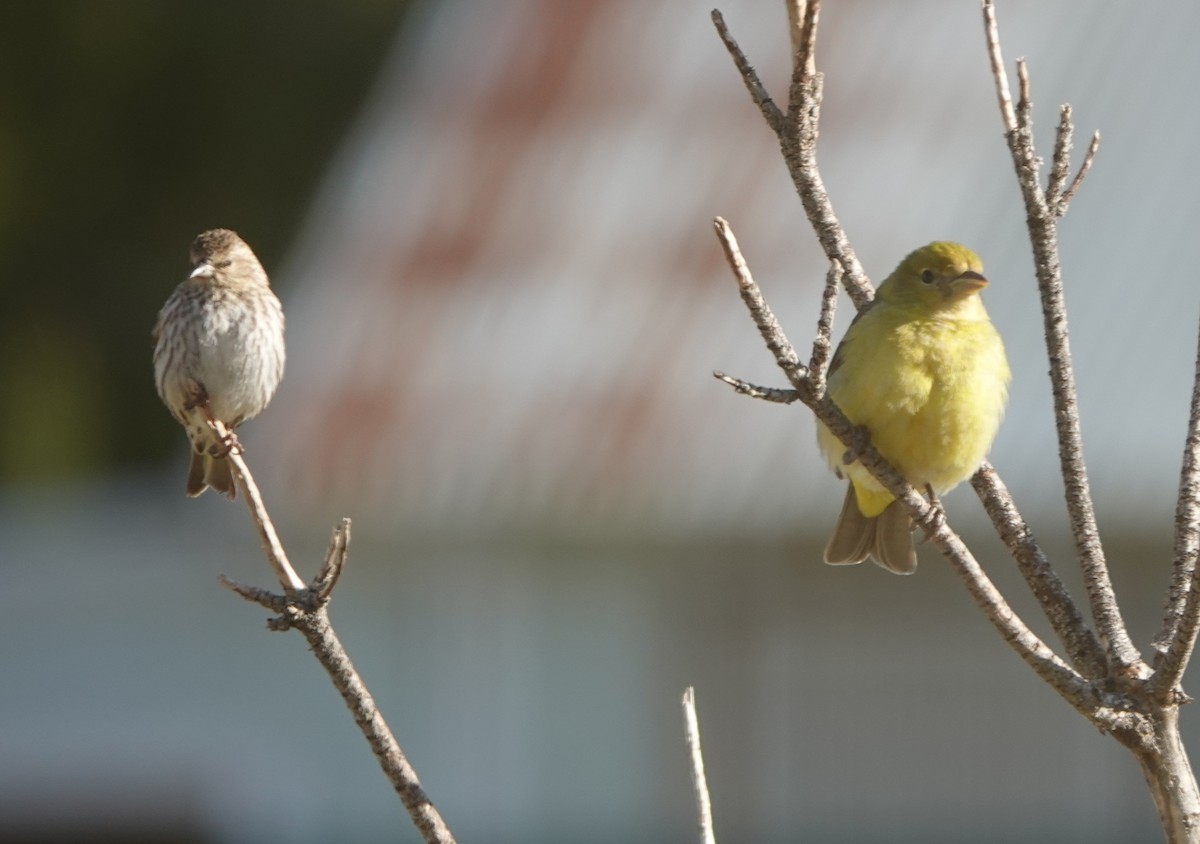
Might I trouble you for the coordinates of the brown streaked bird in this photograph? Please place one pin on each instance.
(218, 349)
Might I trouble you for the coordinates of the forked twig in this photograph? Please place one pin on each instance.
(1043, 235)
(797, 135)
(306, 609)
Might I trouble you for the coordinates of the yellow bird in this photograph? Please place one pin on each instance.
(923, 371)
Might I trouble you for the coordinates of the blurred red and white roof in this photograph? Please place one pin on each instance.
(507, 303)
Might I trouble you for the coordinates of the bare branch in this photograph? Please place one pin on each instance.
(797, 134)
(787, 360)
(1083, 648)
(1024, 100)
(296, 613)
(313, 623)
(1043, 237)
(264, 598)
(1059, 199)
(1168, 773)
(1088, 158)
(800, 152)
(1149, 723)
(802, 24)
(1181, 618)
(770, 112)
(1075, 689)
(1060, 163)
(823, 344)
(306, 610)
(328, 650)
(768, 325)
(1109, 681)
(276, 556)
(1003, 94)
(754, 391)
(335, 561)
(699, 783)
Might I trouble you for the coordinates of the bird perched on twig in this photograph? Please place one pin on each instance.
(218, 351)
(922, 370)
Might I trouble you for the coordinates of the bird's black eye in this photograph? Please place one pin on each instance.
(927, 276)
(222, 264)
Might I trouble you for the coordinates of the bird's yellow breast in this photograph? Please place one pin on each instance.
(930, 390)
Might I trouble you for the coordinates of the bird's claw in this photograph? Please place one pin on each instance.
(224, 447)
(937, 515)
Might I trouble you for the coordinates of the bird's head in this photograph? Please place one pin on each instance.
(217, 249)
(936, 276)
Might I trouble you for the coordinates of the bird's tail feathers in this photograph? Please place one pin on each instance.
(893, 546)
(207, 471)
(853, 535)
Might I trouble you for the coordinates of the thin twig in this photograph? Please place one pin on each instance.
(823, 344)
(335, 561)
(1024, 98)
(256, 594)
(276, 556)
(754, 391)
(1058, 193)
(804, 94)
(768, 325)
(1060, 162)
(699, 784)
(822, 406)
(1181, 618)
(799, 147)
(770, 112)
(797, 134)
(802, 25)
(1088, 158)
(1003, 94)
(1083, 648)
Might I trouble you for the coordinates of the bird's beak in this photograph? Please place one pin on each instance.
(203, 269)
(968, 282)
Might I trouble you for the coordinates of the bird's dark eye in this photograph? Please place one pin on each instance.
(927, 276)
(220, 264)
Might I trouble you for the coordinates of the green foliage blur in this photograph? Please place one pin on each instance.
(126, 127)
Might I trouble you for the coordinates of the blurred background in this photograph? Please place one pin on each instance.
(490, 227)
